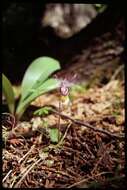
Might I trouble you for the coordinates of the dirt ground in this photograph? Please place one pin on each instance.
(85, 156)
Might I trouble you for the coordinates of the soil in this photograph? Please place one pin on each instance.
(86, 157)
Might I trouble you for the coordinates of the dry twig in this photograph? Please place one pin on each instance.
(30, 168)
(89, 126)
(118, 70)
(10, 171)
(26, 154)
(85, 180)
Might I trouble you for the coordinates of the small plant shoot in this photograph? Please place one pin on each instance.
(43, 111)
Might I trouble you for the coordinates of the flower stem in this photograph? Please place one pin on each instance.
(59, 110)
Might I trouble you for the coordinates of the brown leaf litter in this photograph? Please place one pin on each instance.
(83, 157)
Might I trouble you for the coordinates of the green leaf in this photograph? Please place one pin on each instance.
(8, 93)
(47, 86)
(100, 7)
(39, 70)
(54, 134)
(43, 111)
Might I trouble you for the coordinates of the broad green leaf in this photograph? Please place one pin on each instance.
(54, 134)
(39, 70)
(8, 93)
(47, 86)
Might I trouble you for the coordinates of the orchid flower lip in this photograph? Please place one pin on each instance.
(65, 83)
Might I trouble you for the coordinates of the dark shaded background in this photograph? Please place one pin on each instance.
(24, 39)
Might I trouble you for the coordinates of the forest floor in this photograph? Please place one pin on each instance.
(90, 152)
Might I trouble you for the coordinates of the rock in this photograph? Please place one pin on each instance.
(68, 19)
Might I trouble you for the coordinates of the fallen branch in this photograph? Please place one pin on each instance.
(89, 126)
